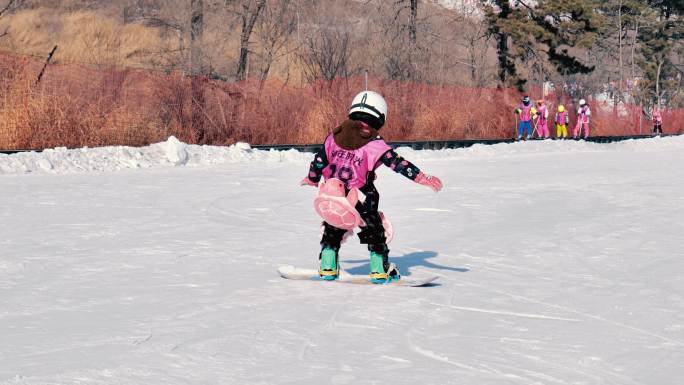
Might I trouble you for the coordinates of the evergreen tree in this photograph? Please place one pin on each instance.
(660, 38)
(545, 30)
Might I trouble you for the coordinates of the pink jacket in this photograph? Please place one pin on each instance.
(525, 112)
(562, 117)
(657, 117)
(352, 166)
(583, 114)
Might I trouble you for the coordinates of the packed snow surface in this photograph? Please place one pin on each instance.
(559, 263)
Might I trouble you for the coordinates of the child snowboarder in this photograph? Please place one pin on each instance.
(351, 154)
(542, 119)
(526, 112)
(562, 120)
(583, 114)
(657, 121)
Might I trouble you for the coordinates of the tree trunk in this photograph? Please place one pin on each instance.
(413, 18)
(197, 68)
(473, 62)
(620, 49)
(196, 32)
(634, 41)
(265, 70)
(507, 68)
(249, 17)
(657, 85)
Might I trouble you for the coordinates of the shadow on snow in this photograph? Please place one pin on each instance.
(405, 263)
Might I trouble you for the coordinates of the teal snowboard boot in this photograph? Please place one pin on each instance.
(329, 268)
(381, 271)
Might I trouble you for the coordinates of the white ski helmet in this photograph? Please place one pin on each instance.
(582, 102)
(370, 103)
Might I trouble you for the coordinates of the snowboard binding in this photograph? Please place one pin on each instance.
(329, 267)
(381, 270)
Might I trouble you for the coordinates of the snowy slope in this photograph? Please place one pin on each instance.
(560, 263)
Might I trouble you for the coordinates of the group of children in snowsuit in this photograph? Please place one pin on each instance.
(537, 119)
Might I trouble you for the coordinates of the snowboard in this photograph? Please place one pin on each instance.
(291, 272)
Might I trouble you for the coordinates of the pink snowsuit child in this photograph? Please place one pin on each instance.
(526, 111)
(657, 122)
(542, 120)
(583, 114)
(347, 161)
(562, 120)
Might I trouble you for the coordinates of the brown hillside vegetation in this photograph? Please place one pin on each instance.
(155, 35)
(83, 36)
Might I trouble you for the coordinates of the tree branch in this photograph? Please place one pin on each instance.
(7, 7)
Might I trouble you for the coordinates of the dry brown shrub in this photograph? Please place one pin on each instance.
(77, 105)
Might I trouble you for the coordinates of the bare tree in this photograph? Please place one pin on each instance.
(278, 23)
(174, 18)
(413, 18)
(326, 54)
(11, 5)
(196, 34)
(400, 36)
(249, 15)
(197, 70)
(474, 36)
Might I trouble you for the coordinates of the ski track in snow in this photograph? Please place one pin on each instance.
(559, 263)
(508, 313)
(564, 309)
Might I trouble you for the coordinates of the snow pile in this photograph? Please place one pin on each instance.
(165, 154)
(173, 153)
(547, 147)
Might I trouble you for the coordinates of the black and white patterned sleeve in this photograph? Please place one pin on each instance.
(317, 165)
(400, 165)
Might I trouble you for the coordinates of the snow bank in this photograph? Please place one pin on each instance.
(174, 153)
(171, 153)
(547, 147)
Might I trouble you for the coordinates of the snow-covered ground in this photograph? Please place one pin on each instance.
(559, 263)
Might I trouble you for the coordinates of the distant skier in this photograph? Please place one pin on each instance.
(542, 119)
(562, 120)
(657, 118)
(351, 154)
(526, 112)
(583, 114)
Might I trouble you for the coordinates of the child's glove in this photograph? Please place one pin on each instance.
(430, 181)
(308, 182)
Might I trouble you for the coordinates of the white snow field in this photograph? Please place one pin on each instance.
(559, 263)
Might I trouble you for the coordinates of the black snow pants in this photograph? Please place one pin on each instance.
(373, 233)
